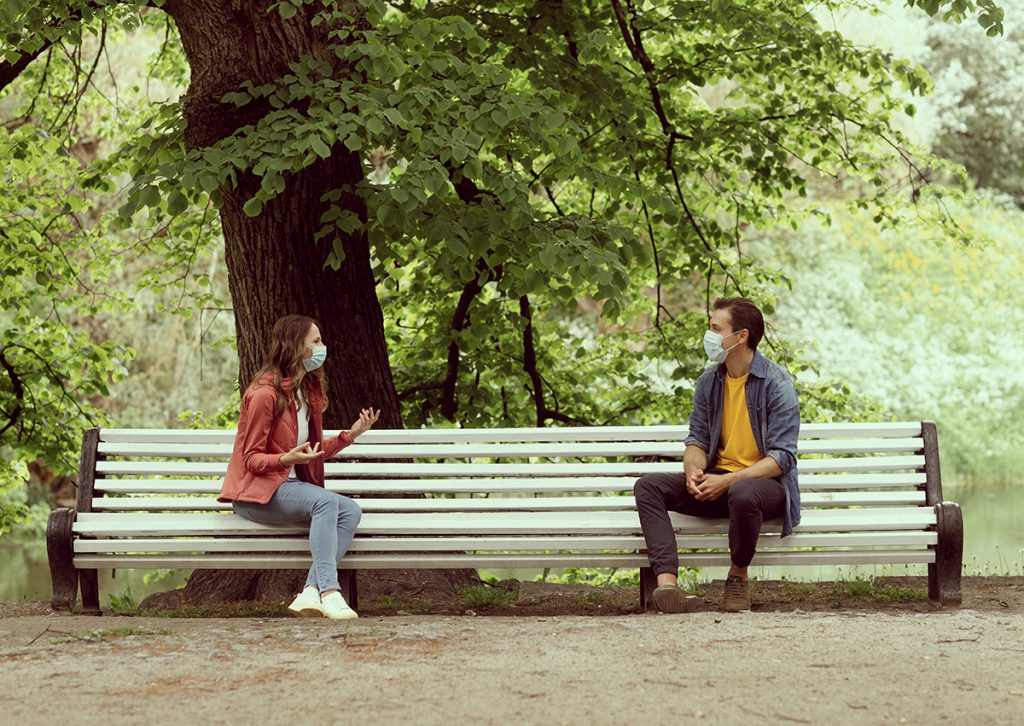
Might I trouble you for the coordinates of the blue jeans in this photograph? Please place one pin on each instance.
(332, 518)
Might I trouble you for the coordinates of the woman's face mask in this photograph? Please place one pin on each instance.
(318, 358)
(713, 345)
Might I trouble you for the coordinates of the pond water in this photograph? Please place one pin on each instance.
(993, 545)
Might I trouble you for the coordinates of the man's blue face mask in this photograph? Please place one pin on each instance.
(713, 345)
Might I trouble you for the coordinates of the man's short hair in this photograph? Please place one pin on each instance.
(745, 315)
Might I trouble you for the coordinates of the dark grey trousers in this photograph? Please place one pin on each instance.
(747, 504)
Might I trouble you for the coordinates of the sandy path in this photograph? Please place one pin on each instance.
(958, 667)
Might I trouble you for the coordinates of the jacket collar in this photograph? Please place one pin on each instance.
(758, 367)
(314, 387)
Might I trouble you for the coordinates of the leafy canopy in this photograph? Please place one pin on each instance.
(554, 190)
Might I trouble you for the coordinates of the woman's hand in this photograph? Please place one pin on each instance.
(367, 418)
(301, 454)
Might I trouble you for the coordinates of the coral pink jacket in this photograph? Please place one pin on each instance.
(254, 472)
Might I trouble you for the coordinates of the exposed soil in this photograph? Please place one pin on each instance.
(806, 654)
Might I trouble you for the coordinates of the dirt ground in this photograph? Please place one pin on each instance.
(805, 654)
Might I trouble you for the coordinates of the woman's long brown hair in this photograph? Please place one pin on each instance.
(284, 358)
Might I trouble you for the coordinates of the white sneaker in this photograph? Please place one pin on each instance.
(307, 604)
(333, 606)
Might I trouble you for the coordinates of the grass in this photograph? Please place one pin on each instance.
(594, 598)
(1000, 568)
(800, 589)
(870, 588)
(485, 596)
(244, 609)
(124, 604)
(108, 634)
(386, 602)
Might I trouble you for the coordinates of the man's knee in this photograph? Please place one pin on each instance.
(646, 489)
(743, 498)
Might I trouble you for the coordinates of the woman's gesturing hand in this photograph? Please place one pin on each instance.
(367, 418)
(301, 454)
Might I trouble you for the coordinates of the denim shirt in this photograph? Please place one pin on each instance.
(774, 417)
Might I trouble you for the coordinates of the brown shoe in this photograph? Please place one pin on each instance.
(670, 599)
(737, 594)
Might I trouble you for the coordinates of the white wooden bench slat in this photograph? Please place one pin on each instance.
(355, 468)
(511, 561)
(901, 429)
(532, 450)
(521, 498)
(808, 482)
(479, 504)
(767, 541)
(625, 522)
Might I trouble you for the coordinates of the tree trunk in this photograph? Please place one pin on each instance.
(274, 265)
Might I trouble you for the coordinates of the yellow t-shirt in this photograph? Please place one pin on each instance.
(737, 448)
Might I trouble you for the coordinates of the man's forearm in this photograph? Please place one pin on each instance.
(766, 468)
(694, 458)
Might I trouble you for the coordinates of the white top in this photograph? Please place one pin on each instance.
(303, 420)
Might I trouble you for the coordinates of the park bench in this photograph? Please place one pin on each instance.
(497, 499)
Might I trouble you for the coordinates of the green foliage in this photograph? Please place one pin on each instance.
(980, 104)
(388, 602)
(152, 576)
(871, 588)
(917, 322)
(990, 15)
(52, 371)
(596, 576)
(553, 191)
(71, 266)
(689, 577)
(125, 603)
(485, 596)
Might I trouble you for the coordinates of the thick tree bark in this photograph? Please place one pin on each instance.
(274, 265)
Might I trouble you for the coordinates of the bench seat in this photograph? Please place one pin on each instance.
(499, 498)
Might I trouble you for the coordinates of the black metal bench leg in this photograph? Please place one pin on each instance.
(349, 587)
(89, 582)
(60, 553)
(944, 573)
(647, 584)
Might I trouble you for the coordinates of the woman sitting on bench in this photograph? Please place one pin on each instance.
(276, 472)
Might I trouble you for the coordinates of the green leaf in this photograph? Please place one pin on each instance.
(319, 147)
(253, 207)
(176, 203)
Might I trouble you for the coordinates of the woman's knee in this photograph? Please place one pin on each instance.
(325, 504)
(349, 510)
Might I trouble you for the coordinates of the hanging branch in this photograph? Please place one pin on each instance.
(530, 360)
(16, 388)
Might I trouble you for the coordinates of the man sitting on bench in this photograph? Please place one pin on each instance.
(740, 458)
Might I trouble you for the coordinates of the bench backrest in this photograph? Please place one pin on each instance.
(861, 465)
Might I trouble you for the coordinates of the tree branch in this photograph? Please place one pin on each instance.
(9, 71)
(460, 320)
(17, 388)
(530, 360)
